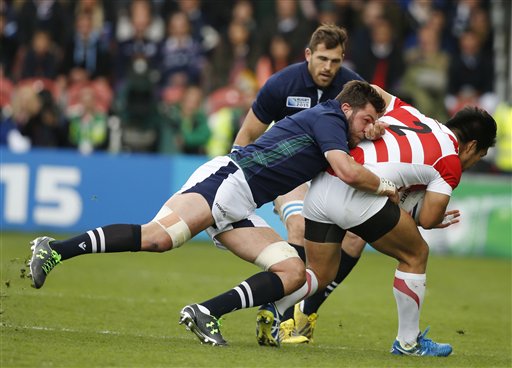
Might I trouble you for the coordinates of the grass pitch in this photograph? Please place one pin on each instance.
(121, 310)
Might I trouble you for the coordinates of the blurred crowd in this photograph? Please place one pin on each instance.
(178, 76)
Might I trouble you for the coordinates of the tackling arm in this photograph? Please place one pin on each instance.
(358, 176)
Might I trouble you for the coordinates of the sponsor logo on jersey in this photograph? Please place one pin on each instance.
(298, 102)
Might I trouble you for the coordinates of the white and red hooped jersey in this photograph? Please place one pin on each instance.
(416, 151)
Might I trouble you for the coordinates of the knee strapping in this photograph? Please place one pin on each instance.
(275, 253)
(179, 231)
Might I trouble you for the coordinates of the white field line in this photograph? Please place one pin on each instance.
(103, 332)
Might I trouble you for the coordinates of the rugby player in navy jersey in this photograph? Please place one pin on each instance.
(295, 88)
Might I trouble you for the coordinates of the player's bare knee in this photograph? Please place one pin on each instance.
(415, 257)
(353, 245)
(154, 239)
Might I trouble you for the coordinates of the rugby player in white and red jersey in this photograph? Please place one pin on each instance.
(416, 152)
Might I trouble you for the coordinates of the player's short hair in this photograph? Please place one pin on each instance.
(358, 93)
(474, 123)
(330, 35)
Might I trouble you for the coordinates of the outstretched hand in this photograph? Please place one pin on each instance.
(450, 218)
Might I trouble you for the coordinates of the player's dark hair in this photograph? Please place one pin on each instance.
(473, 123)
(330, 35)
(358, 93)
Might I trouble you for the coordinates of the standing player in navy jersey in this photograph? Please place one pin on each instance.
(222, 195)
(295, 88)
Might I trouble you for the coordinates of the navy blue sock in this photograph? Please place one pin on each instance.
(262, 288)
(107, 239)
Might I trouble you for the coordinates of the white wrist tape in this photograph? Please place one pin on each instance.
(448, 219)
(385, 187)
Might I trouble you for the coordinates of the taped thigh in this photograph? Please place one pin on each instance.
(179, 231)
(275, 253)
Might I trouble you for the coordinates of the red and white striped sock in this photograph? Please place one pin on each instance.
(409, 291)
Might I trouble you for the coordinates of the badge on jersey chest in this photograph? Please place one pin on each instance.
(298, 102)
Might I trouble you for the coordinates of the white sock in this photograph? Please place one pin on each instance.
(409, 291)
(309, 288)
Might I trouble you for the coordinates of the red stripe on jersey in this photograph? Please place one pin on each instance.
(331, 171)
(358, 155)
(429, 143)
(401, 286)
(455, 143)
(450, 169)
(381, 150)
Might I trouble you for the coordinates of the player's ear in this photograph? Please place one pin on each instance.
(346, 108)
(308, 53)
(470, 147)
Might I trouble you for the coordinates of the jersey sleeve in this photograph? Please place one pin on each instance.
(395, 104)
(450, 169)
(268, 101)
(331, 134)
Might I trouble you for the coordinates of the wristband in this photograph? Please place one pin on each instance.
(385, 187)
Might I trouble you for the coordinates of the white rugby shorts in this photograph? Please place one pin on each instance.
(330, 200)
(222, 183)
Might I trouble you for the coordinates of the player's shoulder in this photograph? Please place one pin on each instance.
(291, 73)
(345, 75)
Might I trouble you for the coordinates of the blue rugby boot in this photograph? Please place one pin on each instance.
(267, 325)
(423, 347)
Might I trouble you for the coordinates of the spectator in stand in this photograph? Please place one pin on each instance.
(88, 126)
(380, 61)
(232, 56)
(181, 58)
(471, 76)
(186, 128)
(40, 59)
(225, 122)
(243, 12)
(461, 16)
(128, 10)
(43, 14)
(480, 24)
(425, 78)
(201, 28)
(277, 57)
(289, 22)
(8, 43)
(103, 18)
(85, 57)
(136, 105)
(139, 48)
(43, 122)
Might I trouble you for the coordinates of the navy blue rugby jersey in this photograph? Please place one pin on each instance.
(292, 152)
(292, 90)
